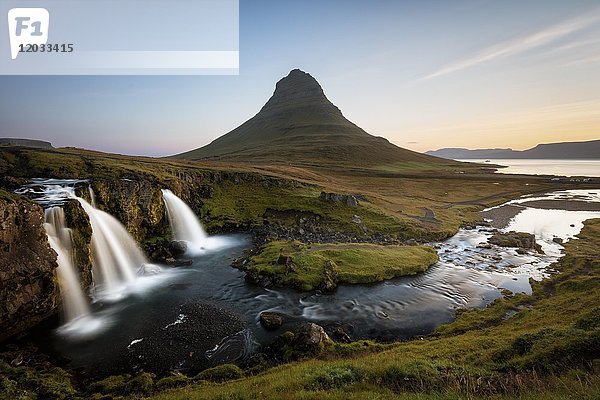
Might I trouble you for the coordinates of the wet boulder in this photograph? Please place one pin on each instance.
(521, 240)
(178, 247)
(305, 341)
(180, 262)
(149, 269)
(270, 320)
(310, 335)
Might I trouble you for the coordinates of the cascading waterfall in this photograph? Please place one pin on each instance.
(75, 303)
(117, 259)
(92, 196)
(183, 221)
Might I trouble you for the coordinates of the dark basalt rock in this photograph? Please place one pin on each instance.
(520, 240)
(177, 247)
(307, 340)
(179, 262)
(264, 279)
(28, 286)
(310, 335)
(270, 320)
(206, 191)
(341, 336)
(81, 234)
(330, 278)
(12, 183)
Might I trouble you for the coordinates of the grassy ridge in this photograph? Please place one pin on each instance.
(345, 263)
(543, 346)
(396, 202)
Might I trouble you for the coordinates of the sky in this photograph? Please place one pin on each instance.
(424, 74)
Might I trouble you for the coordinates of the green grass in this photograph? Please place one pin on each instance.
(246, 203)
(548, 349)
(394, 204)
(351, 263)
(7, 196)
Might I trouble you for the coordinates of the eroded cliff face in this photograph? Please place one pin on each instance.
(81, 233)
(137, 202)
(29, 291)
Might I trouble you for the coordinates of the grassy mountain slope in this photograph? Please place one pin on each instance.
(300, 125)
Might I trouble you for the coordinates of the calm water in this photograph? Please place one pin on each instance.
(547, 167)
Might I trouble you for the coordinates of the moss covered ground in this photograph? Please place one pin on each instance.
(309, 265)
(406, 201)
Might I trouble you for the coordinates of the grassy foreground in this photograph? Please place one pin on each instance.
(310, 266)
(543, 346)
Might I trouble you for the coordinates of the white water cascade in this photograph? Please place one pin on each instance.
(117, 259)
(74, 302)
(184, 223)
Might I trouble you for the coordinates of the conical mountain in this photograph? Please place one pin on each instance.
(300, 125)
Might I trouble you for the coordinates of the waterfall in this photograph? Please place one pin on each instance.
(92, 196)
(183, 221)
(117, 259)
(74, 302)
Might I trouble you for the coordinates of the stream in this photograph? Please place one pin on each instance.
(172, 320)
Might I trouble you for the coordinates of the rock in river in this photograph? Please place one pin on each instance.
(270, 320)
(177, 247)
(520, 240)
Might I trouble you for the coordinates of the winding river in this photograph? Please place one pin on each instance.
(163, 312)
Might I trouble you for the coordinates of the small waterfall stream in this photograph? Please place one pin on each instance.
(117, 258)
(75, 303)
(184, 223)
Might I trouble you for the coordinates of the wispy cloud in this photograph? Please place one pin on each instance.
(574, 45)
(519, 45)
(582, 60)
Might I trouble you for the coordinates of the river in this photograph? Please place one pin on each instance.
(134, 332)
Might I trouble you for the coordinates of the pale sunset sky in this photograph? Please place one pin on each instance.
(424, 74)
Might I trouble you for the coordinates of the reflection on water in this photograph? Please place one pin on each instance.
(549, 224)
(546, 167)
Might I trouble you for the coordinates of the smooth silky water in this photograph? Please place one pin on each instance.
(468, 275)
(75, 304)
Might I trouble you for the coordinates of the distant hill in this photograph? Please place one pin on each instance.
(299, 124)
(38, 144)
(565, 150)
